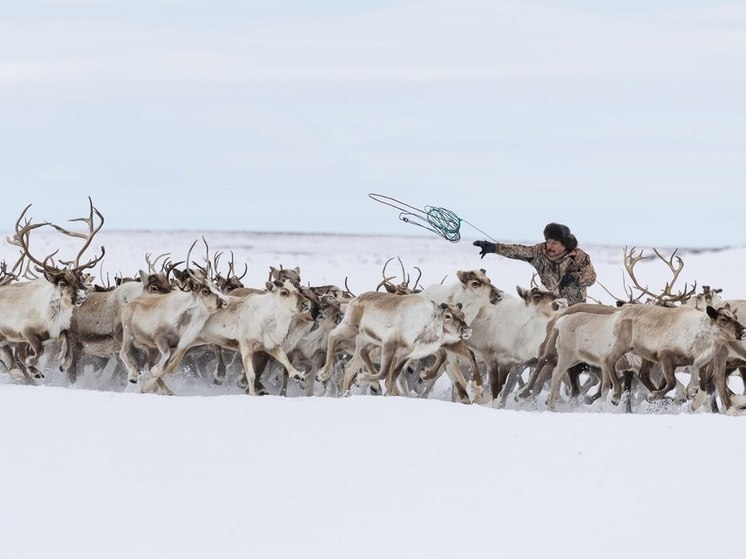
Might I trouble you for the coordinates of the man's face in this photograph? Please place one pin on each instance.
(555, 248)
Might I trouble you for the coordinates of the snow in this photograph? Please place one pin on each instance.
(111, 473)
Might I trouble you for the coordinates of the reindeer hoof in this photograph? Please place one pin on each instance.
(133, 381)
(217, 380)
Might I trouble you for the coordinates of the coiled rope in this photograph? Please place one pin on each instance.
(441, 221)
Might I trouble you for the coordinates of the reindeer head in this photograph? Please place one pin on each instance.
(288, 295)
(543, 301)
(726, 321)
(330, 311)
(201, 283)
(282, 274)
(71, 281)
(708, 297)
(455, 327)
(479, 285)
(155, 281)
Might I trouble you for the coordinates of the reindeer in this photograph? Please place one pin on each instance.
(507, 336)
(41, 309)
(258, 323)
(404, 326)
(168, 323)
(662, 333)
(476, 294)
(311, 348)
(96, 326)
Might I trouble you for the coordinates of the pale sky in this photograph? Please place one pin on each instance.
(627, 123)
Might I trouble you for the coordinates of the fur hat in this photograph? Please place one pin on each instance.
(562, 234)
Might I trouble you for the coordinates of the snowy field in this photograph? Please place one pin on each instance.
(97, 470)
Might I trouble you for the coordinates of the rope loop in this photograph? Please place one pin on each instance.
(441, 221)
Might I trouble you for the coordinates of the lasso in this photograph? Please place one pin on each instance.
(441, 221)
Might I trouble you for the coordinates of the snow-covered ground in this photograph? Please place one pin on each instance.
(97, 473)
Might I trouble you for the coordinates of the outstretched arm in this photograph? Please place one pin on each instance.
(516, 252)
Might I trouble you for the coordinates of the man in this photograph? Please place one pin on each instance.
(563, 268)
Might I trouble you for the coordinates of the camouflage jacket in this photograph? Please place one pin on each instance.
(569, 277)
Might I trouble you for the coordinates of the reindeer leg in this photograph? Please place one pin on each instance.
(284, 382)
(645, 376)
(127, 358)
(346, 332)
(372, 378)
(162, 388)
(542, 374)
(693, 384)
(247, 355)
(65, 356)
(350, 372)
(498, 375)
(432, 372)
(7, 359)
(557, 375)
(35, 345)
(628, 378)
(513, 376)
(388, 355)
(164, 349)
(218, 376)
(668, 374)
(458, 381)
(460, 348)
(22, 353)
(281, 356)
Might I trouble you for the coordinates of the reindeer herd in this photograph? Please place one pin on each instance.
(490, 344)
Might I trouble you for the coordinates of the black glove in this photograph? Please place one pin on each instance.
(570, 278)
(485, 247)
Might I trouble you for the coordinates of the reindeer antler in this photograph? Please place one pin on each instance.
(232, 270)
(92, 230)
(666, 297)
(152, 265)
(21, 240)
(386, 280)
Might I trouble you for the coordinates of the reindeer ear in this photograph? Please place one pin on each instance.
(297, 270)
(712, 312)
(459, 305)
(620, 303)
(270, 286)
(522, 293)
(727, 306)
(444, 305)
(143, 277)
(49, 276)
